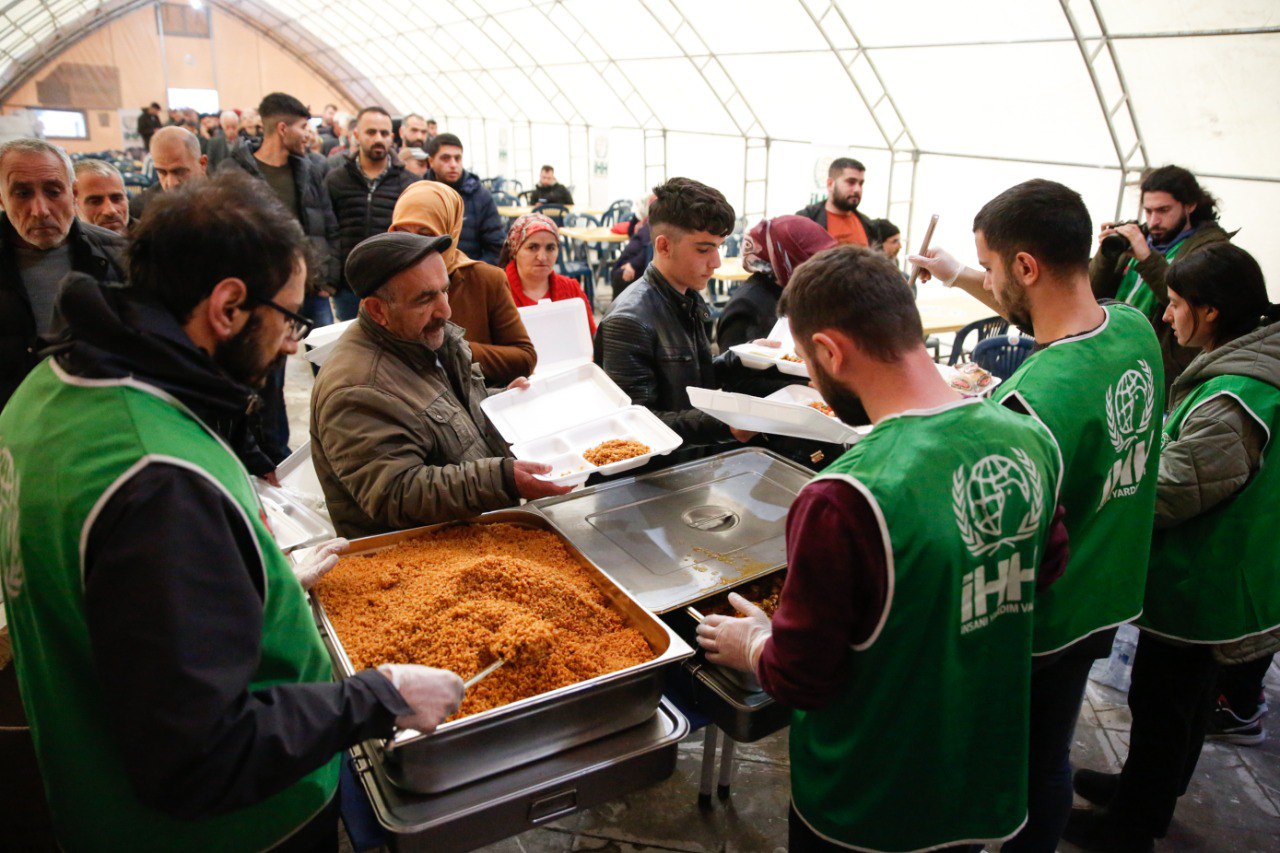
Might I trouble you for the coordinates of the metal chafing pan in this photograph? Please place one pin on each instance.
(526, 797)
(499, 739)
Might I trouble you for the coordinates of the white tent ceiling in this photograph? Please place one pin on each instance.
(938, 98)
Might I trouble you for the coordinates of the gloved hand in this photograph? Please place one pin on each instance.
(433, 694)
(939, 264)
(319, 561)
(736, 641)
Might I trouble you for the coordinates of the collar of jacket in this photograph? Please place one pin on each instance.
(690, 303)
(86, 255)
(414, 353)
(353, 166)
(465, 186)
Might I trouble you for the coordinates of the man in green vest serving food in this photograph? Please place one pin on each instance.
(913, 563)
(1095, 380)
(179, 694)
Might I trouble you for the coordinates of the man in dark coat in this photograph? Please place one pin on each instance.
(839, 213)
(483, 231)
(364, 190)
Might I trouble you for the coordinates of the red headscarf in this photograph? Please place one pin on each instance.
(781, 244)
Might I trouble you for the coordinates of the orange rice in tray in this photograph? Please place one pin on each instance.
(463, 596)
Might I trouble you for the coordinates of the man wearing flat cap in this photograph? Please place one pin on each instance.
(397, 434)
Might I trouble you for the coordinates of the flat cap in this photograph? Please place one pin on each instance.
(377, 259)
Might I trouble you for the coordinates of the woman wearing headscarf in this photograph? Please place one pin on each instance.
(529, 258)
(1213, 587)
(478, 293)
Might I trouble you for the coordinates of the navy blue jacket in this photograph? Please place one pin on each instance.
(483, 230)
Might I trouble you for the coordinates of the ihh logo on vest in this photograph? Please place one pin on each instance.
(10, 545)
(1130, 403)
(998, 503)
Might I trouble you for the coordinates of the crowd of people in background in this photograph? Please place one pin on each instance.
(266, 223)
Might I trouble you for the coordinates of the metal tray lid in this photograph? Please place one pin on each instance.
(560, 334)
(674, 536)
(553, 403)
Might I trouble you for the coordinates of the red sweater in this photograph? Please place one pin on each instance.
(562, 287)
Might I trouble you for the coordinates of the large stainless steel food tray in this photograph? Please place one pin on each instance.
(678, 535)
(501, 738)
(527, 797)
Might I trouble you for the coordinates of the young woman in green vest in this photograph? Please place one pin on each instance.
(913, 560)
(1214, 576)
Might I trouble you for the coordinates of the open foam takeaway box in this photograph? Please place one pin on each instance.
(571, 405)
(322, 340)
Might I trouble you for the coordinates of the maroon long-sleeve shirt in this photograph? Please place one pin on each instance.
(835, 592)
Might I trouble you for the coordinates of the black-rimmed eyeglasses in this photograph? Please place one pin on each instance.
(299, 326)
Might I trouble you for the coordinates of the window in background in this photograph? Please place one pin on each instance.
(61, 124)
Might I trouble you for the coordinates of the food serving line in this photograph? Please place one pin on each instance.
(664, 548)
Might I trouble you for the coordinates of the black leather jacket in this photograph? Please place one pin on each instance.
(653, 344)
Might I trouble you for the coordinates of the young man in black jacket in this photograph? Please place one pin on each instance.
(483, 231)
(364, 190)
(653, 342)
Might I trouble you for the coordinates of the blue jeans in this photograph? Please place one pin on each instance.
(274, 426)
(316, 308)
(346, 304)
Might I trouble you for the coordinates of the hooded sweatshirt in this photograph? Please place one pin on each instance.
(1220, 445)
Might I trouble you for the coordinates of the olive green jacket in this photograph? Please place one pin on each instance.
(394, 444)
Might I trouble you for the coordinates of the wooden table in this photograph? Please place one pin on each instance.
(594, 234)
(947, 309)
(517, 210)
(731, 270)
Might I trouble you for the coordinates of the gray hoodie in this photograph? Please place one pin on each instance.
(1220, 445)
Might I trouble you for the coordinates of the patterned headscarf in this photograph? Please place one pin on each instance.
(525, 227)
(777, 246)
(437, 208)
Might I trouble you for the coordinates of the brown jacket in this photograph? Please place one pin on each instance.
(393, 445)
(1105, 276)
(483, 307)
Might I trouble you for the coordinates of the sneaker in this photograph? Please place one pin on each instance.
(1095, 786)
(1098, 830)
(1225, 726)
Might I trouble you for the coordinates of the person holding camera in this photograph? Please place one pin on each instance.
(1132, 259)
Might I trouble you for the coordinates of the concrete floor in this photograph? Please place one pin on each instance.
(1233, 804)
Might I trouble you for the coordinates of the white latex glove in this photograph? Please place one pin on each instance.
(319, 561)
(736, 641)
(433, 694)
(939, 264)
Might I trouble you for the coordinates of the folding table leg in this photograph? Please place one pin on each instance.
(708, 766)
(726, 767)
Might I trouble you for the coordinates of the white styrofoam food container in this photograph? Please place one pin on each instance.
(560, 334)
(784, 412)
(298, 479)
(321, 341)
(762, 358)
(293, 523)
(563, 414)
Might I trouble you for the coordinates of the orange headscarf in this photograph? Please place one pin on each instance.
(435, 207)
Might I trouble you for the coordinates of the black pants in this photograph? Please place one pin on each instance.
(319, 835)
(1173, 692)
(273, 421)
(802, 839)
(1241, 685)
(1057, 689)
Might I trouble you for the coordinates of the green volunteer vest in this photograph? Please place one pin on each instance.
(1136, 292)
(965, 496)
(64, 444)
(1101, 395)
(1216, 577)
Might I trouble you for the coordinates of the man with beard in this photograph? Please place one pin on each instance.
(914, 552)
(398, 437)
(1181, 218)
(41, 240)
(177, 688)
(364, 190)
(413, 131)
(1095, 380)
(483, 231)
(175, 153)
(839, 213)
(101, 198)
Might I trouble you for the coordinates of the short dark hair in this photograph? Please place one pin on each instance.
(431, 121)
(691, 206)
(1226, 277)
(1185, 189)
(886, 229)
(409, 116)
(548, 168)
(372, 109)
(440, 140)
(1043, 218)
(858, 292)
(839, 164)
(193, 237)
(278, 106)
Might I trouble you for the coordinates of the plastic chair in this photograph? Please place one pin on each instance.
(617, 212)
(984, 329)
(573, 262)
(557, 212)
(504, 199)
(1002, 354)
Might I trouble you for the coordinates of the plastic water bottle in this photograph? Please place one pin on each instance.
(1117, 671)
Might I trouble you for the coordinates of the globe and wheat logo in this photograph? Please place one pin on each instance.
(10, 544)
(998, 502)
(1130, 403)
